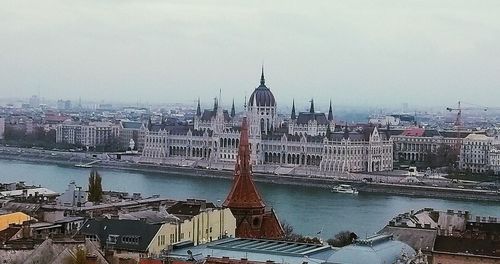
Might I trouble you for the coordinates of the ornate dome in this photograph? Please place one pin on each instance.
(262, 95)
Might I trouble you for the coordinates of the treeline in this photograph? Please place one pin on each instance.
(38, 138)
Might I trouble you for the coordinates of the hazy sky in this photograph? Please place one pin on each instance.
(354, 52)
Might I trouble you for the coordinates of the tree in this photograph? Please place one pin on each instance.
(95, 187)
(287, 230)
(341, 239)
(289, 235)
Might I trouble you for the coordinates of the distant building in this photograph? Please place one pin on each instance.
(63, 104)
(73, 196)
(475, 153)
(34, 101)
(132, 130)
(391, 120)
(2, 128)
(91, 134)
(415, 144)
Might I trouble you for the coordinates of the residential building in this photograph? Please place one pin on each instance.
(88, 135)
(415, 144)
(448, 236)
(74, 196)
(202, 221)
(137, 238)
(494, 160)
(475, 153)
(148, 233)
(12, 218)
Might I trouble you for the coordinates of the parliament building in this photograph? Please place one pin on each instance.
(305, 139)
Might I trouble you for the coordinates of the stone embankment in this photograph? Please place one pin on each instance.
(311, 180)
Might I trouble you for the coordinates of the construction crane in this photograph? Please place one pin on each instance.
(459, 123)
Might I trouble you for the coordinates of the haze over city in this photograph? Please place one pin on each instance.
(355, 52)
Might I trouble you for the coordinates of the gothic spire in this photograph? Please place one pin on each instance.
(233, 111)
(216, 105)
(198, 108)
(262, 79)
(330, 112)
(346, 131)
(150, 124)
(311, 109)
(244, 193)
(293, 116)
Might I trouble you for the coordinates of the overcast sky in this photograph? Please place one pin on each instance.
(354, 52)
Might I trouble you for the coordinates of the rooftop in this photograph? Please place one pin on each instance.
(259, 250)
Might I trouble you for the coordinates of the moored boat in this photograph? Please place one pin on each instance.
(344, 188)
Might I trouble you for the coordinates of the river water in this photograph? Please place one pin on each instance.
(308, 209)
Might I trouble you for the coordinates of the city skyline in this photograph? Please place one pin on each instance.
(150, 52)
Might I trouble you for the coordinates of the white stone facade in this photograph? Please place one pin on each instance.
(475, 153)
(214, 139)
(87, 135)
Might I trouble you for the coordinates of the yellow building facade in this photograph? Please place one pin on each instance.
(209, 225)
(12, 218)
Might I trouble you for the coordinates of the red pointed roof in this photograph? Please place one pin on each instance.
(243, 193)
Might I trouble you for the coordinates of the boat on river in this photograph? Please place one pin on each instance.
(344, 188)
(83, 166)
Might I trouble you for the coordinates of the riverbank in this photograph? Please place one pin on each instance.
(298, 180)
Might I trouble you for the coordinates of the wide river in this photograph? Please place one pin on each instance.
(308, 209)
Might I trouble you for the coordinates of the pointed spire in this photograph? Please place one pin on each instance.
(311, 109)
(346, 131)
(245, 104)
(215, 104)
(198, 108)
(330, 112)
(150, 124)
(244, 193)
(262, 79)
(233, 111)
(293, 116)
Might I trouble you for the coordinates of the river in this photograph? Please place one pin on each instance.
(308, 209)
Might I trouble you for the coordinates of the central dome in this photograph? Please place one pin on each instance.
(262, 95)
